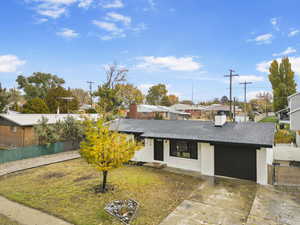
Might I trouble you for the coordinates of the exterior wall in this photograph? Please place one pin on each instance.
(16, 136)
(295, 121)
(182, 163)
(11, 136)
(205, 162)
(298, 138)
(263, 155)
(207, 159)
(294, 102)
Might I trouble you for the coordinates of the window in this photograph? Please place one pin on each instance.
(13, 129)
(184, 149)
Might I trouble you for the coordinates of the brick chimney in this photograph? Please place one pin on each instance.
(133, 113)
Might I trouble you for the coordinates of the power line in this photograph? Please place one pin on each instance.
(91, 90)
(230, 88)
(245, 97)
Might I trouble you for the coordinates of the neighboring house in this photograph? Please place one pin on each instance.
(240, 150)
(196, 111)
(16, 130)
(155, 111)
(294, 107)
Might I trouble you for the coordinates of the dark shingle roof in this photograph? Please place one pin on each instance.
(260, 134)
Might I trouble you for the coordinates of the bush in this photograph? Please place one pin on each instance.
(284, 136)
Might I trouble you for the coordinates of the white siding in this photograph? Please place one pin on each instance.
(145, 154)
(295, 120)
(207, 159)
(262, 166)
(181, 163)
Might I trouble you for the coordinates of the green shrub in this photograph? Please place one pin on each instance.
(284, 136)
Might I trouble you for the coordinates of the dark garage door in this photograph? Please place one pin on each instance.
(235, 161)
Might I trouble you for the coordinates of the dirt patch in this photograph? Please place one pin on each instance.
(82, 178)
(51, 175)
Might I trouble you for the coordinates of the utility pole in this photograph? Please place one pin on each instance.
(230, 88)
(91, 90)
(245, 98)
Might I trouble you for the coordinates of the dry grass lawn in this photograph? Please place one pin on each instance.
(66, 190)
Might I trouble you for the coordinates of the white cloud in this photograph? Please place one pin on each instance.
(85, 3)
(140, 27)
(119, 18)
(67, 33)
(151, 5)
(107, 26)
(41, 20)
(52, 12)
(264, 66)
(52, 8)
(288, 51)
(10, 63)
(293, 33)
(248, 78)
(112, 4)
(169, 62)
(56, 8)
(263, 39)
(274, 22)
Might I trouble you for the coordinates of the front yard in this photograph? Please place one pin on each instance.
(66, 190)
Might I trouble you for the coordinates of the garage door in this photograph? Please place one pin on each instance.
(235, 161)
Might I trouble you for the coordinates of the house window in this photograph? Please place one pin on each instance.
(13, 129)
(184, 149)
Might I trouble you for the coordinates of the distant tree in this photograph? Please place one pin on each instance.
(3, 99)
(82, 96)
(262, 102)
(110, 101)
(173, 99)
(156, 93)
(72, 130)
(129, 94)
(106, 149)
(224, 99)
(283, 83)
(55, 99)
(38, 84)
(35, 105)
(187, 102)
(47, 133)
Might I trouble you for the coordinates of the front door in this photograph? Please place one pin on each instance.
(158, 149)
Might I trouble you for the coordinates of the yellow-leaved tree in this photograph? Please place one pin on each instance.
(106, 149)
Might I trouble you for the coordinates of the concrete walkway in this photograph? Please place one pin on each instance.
(24, 164)
(23, 214)
(26, 215)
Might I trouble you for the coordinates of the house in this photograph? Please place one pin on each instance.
(17, 130)
(196, 111)
(239, 150)
(155, 111)
(294, 112)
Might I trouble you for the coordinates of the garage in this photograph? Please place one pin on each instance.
(236, 161)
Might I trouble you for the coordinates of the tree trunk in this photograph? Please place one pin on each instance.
(104, 181)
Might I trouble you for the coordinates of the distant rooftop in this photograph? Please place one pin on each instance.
(142, 108)
(33, 119)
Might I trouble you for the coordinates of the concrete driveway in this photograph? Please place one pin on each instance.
(221, 201)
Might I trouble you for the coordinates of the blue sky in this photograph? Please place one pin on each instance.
(183, 44)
